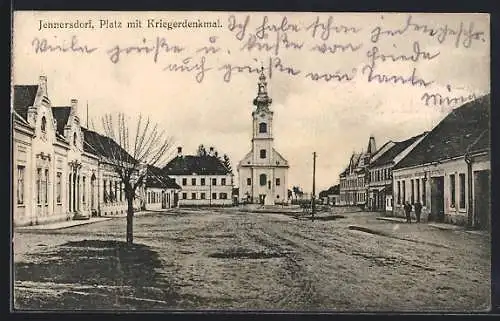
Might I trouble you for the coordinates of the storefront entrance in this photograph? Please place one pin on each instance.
(437, 199)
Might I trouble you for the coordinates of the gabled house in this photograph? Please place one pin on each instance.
(354, 179)
(380, 177)
(449, 170)
(204, 180)
(160, 190)
(60, 169)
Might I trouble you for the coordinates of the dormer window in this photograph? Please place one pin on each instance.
(74, 139)
(44, 124)
(262, 128)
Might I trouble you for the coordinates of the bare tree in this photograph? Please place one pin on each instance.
(129, 151)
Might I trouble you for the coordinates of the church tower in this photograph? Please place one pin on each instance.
(263, 172)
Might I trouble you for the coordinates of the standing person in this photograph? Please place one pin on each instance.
(407, 208)
(418, 210)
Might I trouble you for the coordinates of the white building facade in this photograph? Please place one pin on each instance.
(263, 172)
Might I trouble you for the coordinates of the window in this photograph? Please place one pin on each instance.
(184, 181)
(74, 139)
(84, 187)
(214, 196)
(403, 191)
(193, 181)
(20, 184)
(223, 181)
(214, 181)
(424, 198)
(202, 181)
(105, 192)
(193, 196)
(184, 196)
(149, 197)
(262, 153)
(249, 181)
(262, 179)
(461, 182)
(278, 182)
(202, 196)
(121, 191)
(223, 196)
(418, 190)
(46, 187)
(44, 124)
(262, 128)
(58, 187)
(452, 190)
(412, 192)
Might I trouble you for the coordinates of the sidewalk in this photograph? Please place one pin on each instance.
(440, 226)
(62, 225)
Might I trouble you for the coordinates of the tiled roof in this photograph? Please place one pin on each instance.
(466, 127)
(100, 145)
(24, 97)
(200, 165)
(157, 178)
(394, 151)
(61, 115)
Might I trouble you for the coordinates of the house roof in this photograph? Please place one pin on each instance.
(200, 165)
(104, 146)
(157, 178)
(335, 189)
(466, 128)
(24, 97)
(395, 150)
(61, 114)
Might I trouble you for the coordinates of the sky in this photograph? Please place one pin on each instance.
(332, 118)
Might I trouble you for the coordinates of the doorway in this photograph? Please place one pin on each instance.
(437, 199)
(163, 200)
(262, 198)
(482, 200)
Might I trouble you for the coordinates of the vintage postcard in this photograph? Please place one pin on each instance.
(251, 161)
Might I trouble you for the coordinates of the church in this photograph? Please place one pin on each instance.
(263, 172)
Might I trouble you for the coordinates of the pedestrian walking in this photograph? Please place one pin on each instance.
(407, 208)
(418, 210)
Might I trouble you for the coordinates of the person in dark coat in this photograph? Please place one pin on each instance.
(418, 210)
(407, 208)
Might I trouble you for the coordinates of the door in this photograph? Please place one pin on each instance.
(163, 200)
(482, 200)
(437, 199)
(176, 199)
(262, 198)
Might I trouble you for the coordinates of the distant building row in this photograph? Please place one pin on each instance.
(447, 170)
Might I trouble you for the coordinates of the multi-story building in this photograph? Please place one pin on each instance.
(380, 179)
(263, 172)
(61, 170)
(448, 172)
(204, 180)
(353, 180)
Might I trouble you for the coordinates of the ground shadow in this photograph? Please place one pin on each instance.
(111, 273)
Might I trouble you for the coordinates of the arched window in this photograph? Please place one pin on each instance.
(263, 179)
(262, 153)
(74, 139)
(262, 128)
(44, 124)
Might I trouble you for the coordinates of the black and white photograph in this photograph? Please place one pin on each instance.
(250, 161)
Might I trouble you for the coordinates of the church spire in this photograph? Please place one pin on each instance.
(262, 101)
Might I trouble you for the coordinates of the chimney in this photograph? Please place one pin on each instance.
(179, 151)
(372, 148)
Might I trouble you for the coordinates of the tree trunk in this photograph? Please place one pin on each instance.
(130, 221)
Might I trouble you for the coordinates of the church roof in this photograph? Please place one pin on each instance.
(200, 165)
